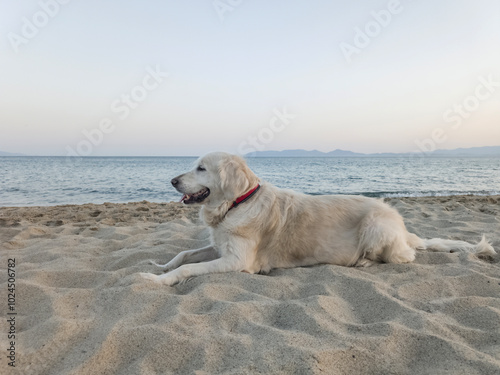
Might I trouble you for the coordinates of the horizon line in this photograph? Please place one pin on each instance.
(253, 153)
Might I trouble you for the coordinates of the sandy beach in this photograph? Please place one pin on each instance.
(81, 309)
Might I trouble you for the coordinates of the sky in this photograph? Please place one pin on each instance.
(165, 78)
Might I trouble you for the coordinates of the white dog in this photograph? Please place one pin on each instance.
(256, 226)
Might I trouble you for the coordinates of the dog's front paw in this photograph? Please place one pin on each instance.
(166, 279)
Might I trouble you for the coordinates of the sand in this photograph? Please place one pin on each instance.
(81, 310)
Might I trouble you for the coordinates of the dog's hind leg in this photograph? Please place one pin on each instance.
(383, 237)
(398, 251)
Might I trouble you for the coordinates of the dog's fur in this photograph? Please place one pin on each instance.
(278, 228)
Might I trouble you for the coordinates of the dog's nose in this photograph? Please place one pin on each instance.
(174, 182)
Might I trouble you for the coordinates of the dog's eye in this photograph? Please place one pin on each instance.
(200, 168)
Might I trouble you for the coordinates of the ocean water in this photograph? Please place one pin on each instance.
(30, 181)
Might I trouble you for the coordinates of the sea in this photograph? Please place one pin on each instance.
(47, 181)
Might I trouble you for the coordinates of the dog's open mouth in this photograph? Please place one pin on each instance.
(196, 197)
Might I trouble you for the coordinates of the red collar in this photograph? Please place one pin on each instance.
(245, 197)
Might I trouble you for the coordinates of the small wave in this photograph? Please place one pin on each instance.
(12, 190)
(403, 194)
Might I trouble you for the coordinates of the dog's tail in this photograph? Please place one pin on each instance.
(482, 249)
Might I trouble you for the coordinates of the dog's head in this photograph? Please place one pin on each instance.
(216, 178)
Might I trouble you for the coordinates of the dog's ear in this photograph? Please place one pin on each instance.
(235, 177)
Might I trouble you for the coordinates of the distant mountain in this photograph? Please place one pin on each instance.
(2, 153)
(473, 151)
(459, 152)
(343, 153)
(302, 153)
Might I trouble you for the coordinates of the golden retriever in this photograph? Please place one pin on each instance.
(276, 228)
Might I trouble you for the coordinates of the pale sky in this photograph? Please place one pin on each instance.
(365, 76)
